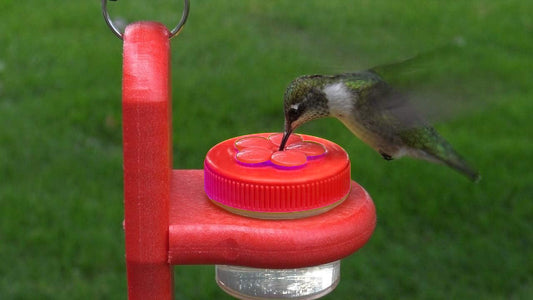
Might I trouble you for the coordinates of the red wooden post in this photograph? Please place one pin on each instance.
(147, 159)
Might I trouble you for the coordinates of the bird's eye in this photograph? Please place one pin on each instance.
(293, 112)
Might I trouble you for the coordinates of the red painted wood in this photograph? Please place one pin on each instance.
(202, 233)
(147, 159)
(168, 217)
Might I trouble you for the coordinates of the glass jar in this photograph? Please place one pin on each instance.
(248, 176)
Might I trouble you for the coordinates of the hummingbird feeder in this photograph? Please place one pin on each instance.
(275, 223)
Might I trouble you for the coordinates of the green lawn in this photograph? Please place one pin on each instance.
(438, 235)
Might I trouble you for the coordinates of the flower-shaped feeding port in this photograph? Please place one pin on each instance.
(258, 151)
(248, 173)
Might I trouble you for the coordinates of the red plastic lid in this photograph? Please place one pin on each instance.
(249, 173)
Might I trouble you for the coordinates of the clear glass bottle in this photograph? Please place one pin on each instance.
(248, 176)
(302, 283)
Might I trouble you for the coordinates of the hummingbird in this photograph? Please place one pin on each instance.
(372, 110)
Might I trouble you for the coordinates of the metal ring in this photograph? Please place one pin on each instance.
(174, 32)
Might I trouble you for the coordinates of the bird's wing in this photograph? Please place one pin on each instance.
(379, 101)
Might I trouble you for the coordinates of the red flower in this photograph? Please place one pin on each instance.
(254, 150)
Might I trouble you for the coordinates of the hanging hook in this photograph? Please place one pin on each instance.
(174, 32)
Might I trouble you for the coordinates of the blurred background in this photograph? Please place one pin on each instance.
(438, 235)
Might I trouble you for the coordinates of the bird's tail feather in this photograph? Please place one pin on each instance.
(460, 165)
(454, 160)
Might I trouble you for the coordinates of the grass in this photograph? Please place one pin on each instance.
(438, 235)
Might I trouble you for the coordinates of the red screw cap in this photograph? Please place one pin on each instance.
(248, 173)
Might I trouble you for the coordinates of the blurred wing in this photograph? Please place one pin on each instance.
(381, 103)
(440, 83)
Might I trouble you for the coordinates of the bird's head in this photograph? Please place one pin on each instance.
(304, 100)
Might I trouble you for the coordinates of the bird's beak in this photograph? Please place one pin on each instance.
(286, 134)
